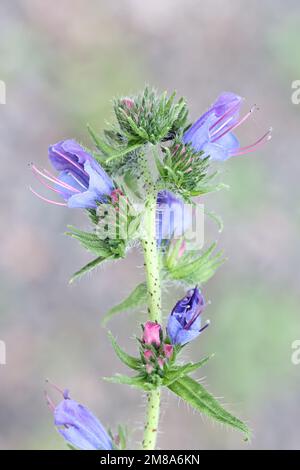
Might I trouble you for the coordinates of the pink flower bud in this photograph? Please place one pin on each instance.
(127, 103)
(149, 368)
(148, 354)
(161, 362)
(152, 333)
(168, 350)
(182, 248)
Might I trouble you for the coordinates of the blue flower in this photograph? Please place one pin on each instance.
(212, 132)
(78, 425)
(184, 323)
(172, 218)
(81, 181)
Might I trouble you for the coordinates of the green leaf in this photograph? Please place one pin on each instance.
(99, 142)
(137, 298)
(90, 241)
(88, 267)
(217, 219)
(136, 381)
(179, 371)
(196, 268)
(199, 398)
(123, 152)
(128, 360)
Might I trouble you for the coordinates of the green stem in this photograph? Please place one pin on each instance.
(152, 419)
(151, 260)
(152, 268)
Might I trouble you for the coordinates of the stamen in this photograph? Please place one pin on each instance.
(207, 323)
(194, 318)
(46, 184)
(230, 110)
(80, 168)
(55, 387)
(80, 183)
(49, 401)
(48, 176)
(47, 200)
(251, 148)
(234, 126)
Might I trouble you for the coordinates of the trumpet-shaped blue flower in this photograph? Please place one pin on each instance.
(213, 134)
(184, 323)
(81, 181)
(78, 425)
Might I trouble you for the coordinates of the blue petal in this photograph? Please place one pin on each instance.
(81, 427)
(68, 178)
(100, 182)
(85, 200)
(185, 336)
(172, 218)
(173, 328)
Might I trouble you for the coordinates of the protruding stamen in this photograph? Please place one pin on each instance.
(207, 323)
(229, 111)
(41, 180)
(47, 200)
(48, 176)
(234, 126)
(55, 387)
(251, 148)
(49, 401)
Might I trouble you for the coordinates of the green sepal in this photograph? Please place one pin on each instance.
(88, 267)
(118, 153)
(176, 372)
(200, 399)
(130, 361)
(100, 143)
(137, 381)
(193, 267)
(90, 241)
(137, 298)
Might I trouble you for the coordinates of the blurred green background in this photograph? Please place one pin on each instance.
(62, 63)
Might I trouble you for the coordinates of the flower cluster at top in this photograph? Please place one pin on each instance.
(86, 179)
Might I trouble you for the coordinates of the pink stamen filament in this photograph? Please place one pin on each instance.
(47, 200)
(251, 148)
(71, 161)
(49, 402)
(46, 184)
(230, 110)
(234, 126)
(48, 176)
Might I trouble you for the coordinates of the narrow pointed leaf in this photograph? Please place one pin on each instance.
(179, 371)
(88, 267)
(128, 360)
(136, 381)
(137, 298)
(195, 395)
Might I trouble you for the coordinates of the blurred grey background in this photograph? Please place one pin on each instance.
(62, 62)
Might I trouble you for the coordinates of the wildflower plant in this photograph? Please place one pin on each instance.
(135, 184)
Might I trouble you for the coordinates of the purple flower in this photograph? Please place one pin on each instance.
(172, 218)
(81, 181)
(78, 425)
(212, 132)
(184, 322)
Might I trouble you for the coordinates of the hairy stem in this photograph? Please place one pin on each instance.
(152, 268)
(152, 419)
